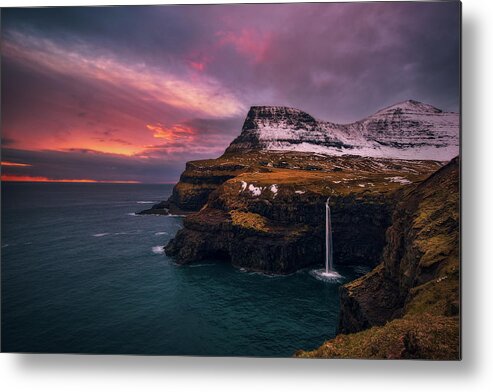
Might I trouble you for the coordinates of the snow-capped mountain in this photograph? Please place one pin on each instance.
(407, 130)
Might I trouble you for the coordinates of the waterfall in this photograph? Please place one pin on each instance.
(328, 274)
(328, 238)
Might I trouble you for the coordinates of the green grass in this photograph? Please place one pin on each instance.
(418, 336)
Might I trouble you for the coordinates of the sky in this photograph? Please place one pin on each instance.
(129, 94)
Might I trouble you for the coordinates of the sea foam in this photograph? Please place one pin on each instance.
(159, 250)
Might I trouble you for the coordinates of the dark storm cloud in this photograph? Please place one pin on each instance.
(342, 62)
(221, 126)
(6, 141)
(139, 30)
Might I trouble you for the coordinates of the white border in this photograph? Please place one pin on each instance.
(127, 373)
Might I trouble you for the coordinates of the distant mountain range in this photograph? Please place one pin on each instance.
(406, 130)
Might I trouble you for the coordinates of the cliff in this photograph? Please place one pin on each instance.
(267, 214)
(408, 306)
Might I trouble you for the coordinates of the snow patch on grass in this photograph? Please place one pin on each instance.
(400, 180)
(255, 190)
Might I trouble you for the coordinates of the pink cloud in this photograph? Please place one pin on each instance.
(204, 95)
(251, 43)
(182, 138)
(174, 133)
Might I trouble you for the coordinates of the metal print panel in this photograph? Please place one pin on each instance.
(267, 180)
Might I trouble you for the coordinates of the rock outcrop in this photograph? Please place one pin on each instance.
(408, 306)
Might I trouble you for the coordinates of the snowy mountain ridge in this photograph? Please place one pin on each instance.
(406, 130)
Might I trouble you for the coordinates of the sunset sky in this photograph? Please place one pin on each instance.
(129, 94)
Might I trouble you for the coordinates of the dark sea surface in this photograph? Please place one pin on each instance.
(82, 274)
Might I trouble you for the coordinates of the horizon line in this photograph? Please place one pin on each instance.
(80, 181)
(90, 182)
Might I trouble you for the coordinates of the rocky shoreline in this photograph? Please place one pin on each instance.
(164, 208)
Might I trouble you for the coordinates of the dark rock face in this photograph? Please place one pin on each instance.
(161, 208)
(368, 302)
(199, 180)
(284, 246)
(203, 237)
(164, 208)
(421, 252)
(359, 227)
(216, 234)
(249, 140)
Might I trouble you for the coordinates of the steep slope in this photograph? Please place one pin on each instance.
(407, 130)
(408, 306)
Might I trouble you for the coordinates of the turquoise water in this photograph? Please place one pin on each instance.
(82, 274)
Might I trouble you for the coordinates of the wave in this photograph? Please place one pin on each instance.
(361, 269)
(161, 233)
(100, 234)
(201, 265)
(132, 214)
(159, 249)
(145, 202)
(263, 274)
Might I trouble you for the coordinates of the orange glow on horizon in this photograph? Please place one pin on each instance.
(6, 163)
(108, 149)
(84, 140)
(14, 178)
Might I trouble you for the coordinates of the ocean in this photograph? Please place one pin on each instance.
(81, 273)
